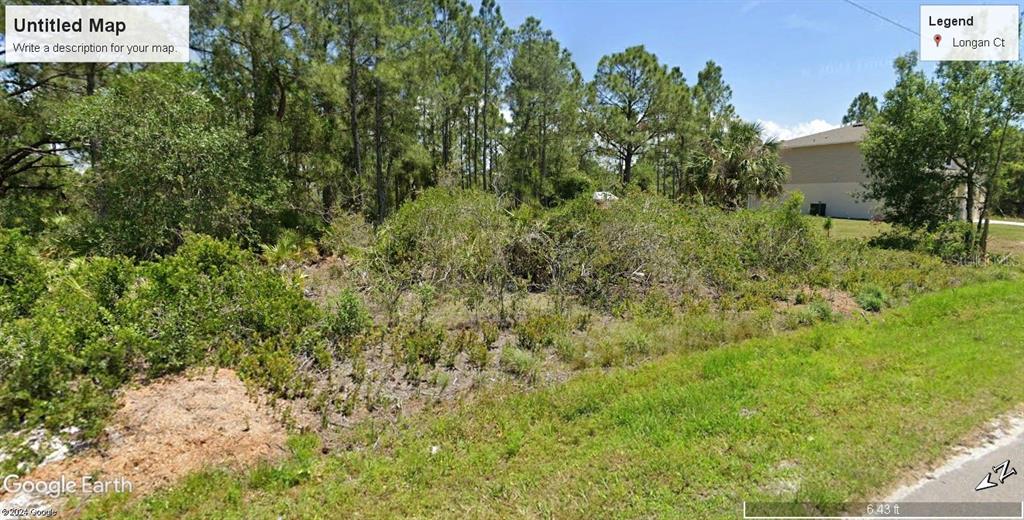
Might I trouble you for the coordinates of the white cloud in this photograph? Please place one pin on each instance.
(771, 129)
(750, 6)
(801, 22)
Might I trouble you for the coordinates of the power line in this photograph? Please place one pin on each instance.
(890, 20)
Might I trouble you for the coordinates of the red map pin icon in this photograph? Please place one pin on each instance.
(937, 38)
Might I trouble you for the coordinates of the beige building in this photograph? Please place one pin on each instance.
(828, 169)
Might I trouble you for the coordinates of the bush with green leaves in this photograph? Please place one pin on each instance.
(477, 353)
(817, 310)
(448, 238)
(872, 299)
(853, 265)
(173, 163)
(209, 291)
(521, 363)
(350, 317)
(539, 331)
(347, 234)
(490, 333)
(607, 254)
(291, 248)
(22, 275)
(421, 347)
(618, 254)
(71, 350)
(953, 241)
(105, 321)
(470, 342)
(772, 240)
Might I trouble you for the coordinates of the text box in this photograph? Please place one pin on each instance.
(96, 33)
(970, 32)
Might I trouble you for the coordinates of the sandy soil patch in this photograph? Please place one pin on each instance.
(167, 429)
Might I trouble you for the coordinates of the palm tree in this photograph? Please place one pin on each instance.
(737, 163)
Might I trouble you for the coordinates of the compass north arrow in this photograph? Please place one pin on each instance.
(986, 483)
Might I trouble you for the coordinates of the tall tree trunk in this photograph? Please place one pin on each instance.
(328, 198)
(378, 138)
(353, 103)
(446, 138)
(475, 146)
(483, 122)
(990, 186)
(467, 149)
(542, 171)
(969, 214)
(627, 168)
(90, 89)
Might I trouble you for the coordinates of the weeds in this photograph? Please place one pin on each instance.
(521, 363)
(872, 299)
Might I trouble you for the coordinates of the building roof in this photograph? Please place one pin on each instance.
(841, 135)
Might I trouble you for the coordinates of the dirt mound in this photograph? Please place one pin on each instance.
(174, 426)
(840, 301)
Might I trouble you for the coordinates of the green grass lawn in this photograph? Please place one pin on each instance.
(1002, 238)
(827, 414)
(1006, 239)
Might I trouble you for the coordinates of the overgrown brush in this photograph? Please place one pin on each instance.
(22, 275)
(105, 321)
(954, 241)
(449, 238)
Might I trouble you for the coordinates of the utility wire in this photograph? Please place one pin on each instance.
(890, 20)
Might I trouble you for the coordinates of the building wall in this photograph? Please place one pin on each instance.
(829, 174)
(833, 174)
(839, 199)
(824, 164)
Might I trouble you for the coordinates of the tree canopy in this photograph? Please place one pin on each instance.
(938, 146)
(295, 112)
(862, 109)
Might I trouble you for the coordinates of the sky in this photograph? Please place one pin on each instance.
(793, 65)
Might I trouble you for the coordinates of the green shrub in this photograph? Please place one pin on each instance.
(172, 164)
(22, 276)
(469, 342)
(271, 364)
(448, 238)
(654, 305)
(539, 331)
(520, 363)
(872, 299)
(209, 291)
(348, 233)
(822, 311)
(422, 346)
(953, 241)
(291, 248)
(818, 310)
(478, 354)
(774, 239)
(609, 254)
(632, 255)
(71, 342)
(104, 321)
(350, 317)
(490, 333)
